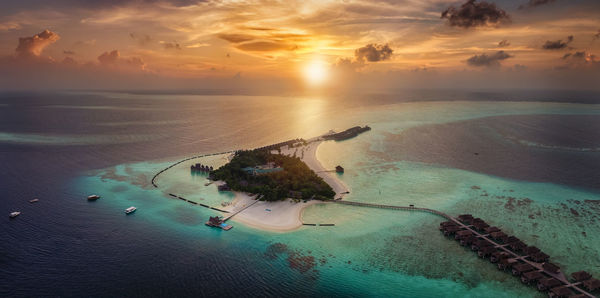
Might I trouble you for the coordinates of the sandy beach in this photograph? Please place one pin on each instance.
(286, 215)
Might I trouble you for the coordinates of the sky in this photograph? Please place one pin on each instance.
(296, 46)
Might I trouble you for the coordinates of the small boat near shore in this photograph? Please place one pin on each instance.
(14, 214)
(130, 210)
(93, 197)
(34, 201)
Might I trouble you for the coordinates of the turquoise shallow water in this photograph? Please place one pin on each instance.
(374, 252)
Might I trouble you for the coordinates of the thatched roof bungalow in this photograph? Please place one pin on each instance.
(539, 257)
(551, 267)
(560, 292)
(548, 283)
(521, 268)
(490, 230)
(591, 284)
(580, 276)
(531, 277)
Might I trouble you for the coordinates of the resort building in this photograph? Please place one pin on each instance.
(263, 169)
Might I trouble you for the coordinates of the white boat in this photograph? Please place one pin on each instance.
(34, 201)
(14, 214)
(93, 197)
(130, 210)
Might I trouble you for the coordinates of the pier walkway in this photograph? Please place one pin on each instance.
(483, 236)
(237, 212)
(184, 160)
(405, 208)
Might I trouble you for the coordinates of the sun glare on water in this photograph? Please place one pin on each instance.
(316, 72)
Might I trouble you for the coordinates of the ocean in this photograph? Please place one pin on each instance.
(528, 162)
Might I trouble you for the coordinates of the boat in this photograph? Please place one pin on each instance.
(34, 201)
(93, 197)
(14, 214)
(130, 210)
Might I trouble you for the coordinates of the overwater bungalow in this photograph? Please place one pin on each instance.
(531, 277)
(521, 268)
(446, 223)
(466, 218)
(450, 230)
(552, 268)
(517, 246)
(490, 230)
(591, 284)
(507, 263)
(486, 251)
(547, 283)
(479, 244)
(511, 239)
(580, 276)
(462, 234)
(480, 225)
(498, 256)
(499, 236)
(530, 250)
(539, 257)
(560, 292)
(468, 240)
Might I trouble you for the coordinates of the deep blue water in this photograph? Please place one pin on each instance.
(66, 246)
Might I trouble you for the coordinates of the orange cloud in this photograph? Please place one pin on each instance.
(33, 46)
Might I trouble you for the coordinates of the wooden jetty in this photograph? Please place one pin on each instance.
(196, 203)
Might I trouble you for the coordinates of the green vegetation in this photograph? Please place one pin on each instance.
(295, 176)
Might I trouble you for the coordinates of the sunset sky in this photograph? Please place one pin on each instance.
(73, 44)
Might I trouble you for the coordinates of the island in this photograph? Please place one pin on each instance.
(273, 184)
(272, 176)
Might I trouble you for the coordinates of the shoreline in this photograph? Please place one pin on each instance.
(285, 215)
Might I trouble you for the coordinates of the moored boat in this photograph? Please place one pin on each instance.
(130, 210)
(34, 201)
(93, 197)
(14, 214)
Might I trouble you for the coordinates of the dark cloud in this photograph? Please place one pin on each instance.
(503, 43)
(236, 38)
(535, 3)
(142, 40)
(581, 59)
(109, 58)
(33, 46)
(557, 44)
(68, 52)
(373, 53)
(265, 46)
(171, 45)
(475, 14)
(492, 60)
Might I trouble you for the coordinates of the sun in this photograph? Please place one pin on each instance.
(316, 72)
